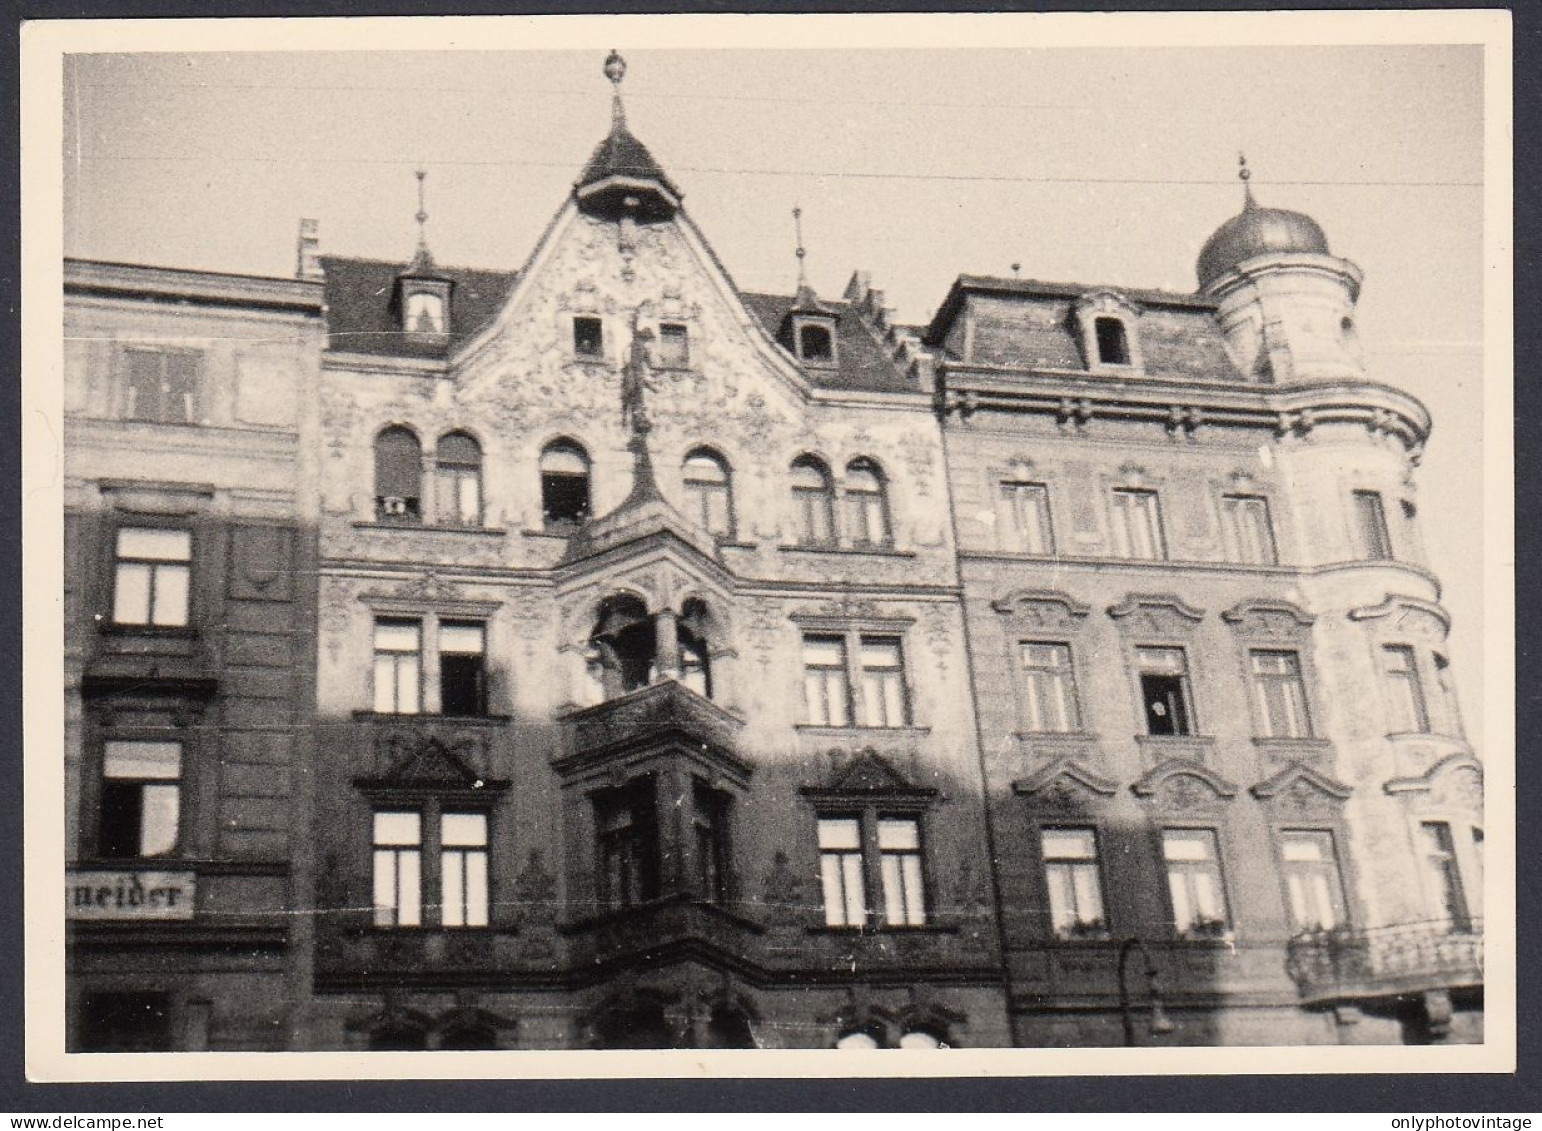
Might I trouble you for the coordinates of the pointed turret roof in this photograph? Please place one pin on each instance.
(622, 177)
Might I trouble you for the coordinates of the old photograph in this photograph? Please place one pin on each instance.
(648, 541)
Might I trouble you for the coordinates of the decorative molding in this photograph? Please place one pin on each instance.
(1050, 784)
(1268, 619)
(1413, 620)
(1042, 608)
(1296, 783)
(1175, 782)
(1163, 613)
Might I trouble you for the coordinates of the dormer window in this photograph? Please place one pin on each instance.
(1113, 344)
(815, 344)
(588, 337)
(1106, 324)
(673, 348)
(425, 313)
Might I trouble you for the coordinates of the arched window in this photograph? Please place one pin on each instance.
(564, 484)
(1113, 344)
(867, 512)
(857, 1039)
(397, 1037)
(458, 475)
(813, 502)
(425, 313)
(708, 492)
(695, 663)
(467, 1036)
(626, 644)
(398, 476)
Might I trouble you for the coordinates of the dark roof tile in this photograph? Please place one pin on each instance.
(361, 310)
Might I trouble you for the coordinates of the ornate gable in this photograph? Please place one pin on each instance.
(1455, 783)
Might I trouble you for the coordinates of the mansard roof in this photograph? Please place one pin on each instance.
(362, 318)
(864, 364)
(1179, 335)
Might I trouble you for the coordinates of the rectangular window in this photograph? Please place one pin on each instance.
(883, 682)
(673, 351)
(1281, 694)
(711, 811)
(1138, 525)
(1249, 534)
(1448, 698)
(398, 667)
(141, 799)
(162, 386)
(899, 856)
(628, 847)
(588, 337)
(462, 669)
(840, 870)
(1028, 529)
(398, 843)
(1051, 688)
(1448, 900)
(463, 868)
(1405, 697)
(153, 576)
(124, 1021)
(825, 691)
(1311, 880)
(1075, 887)
(1371, 521)
(1194, 881)
(1164, 688)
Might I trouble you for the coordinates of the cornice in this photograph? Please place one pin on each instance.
(1075, 397)
(128, 280)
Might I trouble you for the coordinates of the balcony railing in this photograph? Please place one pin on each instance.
(1342, 963)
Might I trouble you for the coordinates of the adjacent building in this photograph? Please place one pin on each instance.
(596, 655)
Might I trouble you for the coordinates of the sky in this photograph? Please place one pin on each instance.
(1097, 166)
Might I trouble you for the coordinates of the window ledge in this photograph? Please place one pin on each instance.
(1173, 741)
(167, 631)
(875, 551)
(558, 534)
(1311, 742)
(1404, 737)
(495, 531)
(1069, 737)
(820, 729)
(1226, 938)
(879, 932)
(424, 716)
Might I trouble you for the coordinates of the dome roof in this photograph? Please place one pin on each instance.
(1258, 231)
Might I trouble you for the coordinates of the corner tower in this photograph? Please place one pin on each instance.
(1286, 303)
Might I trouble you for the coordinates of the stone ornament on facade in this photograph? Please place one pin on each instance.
(1162, 614)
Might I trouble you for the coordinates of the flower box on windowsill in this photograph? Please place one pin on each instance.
(1207, 930)
(1087, 930)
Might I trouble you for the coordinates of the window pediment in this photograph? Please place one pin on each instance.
(1406, 617)
(1183, 784)
(868, 776)
(1162, 614)
(1042, 608)
(1268, 620)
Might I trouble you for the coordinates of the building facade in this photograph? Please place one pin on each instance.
(595, 655)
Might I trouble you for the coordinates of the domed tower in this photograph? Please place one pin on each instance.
(1286, 302)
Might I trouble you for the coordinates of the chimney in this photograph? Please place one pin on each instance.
(308, 251)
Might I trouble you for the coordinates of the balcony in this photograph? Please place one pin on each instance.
(661, 929)
(662, 714)
(1345, 965)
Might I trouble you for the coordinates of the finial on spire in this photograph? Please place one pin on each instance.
(1245, 175)
(797, 223)
(423, 259)
(1016, 267)
(615, 71)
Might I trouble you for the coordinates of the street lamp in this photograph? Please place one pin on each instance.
(1159, 1021)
